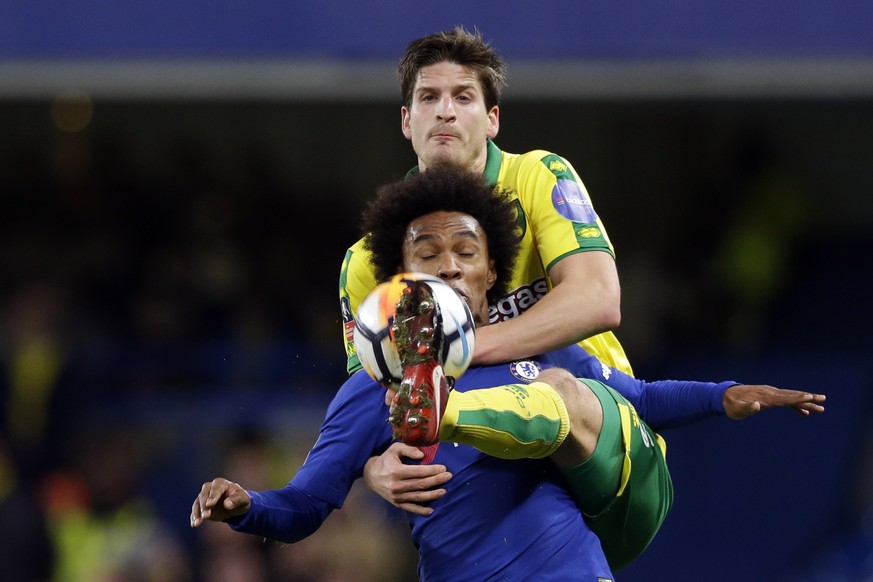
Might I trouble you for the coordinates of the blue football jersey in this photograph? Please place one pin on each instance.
(499, 519)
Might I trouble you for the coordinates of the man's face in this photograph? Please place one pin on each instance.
(447, 120)
(453, 247)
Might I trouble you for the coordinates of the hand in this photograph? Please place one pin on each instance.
(742, 400)
(218, 500)
(405, 486)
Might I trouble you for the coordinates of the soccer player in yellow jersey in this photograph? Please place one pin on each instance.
(564, 287)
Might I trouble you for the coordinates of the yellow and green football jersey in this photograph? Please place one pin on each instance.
(556, 218)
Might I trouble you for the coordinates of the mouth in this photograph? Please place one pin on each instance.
(463, 296)
(443, 135)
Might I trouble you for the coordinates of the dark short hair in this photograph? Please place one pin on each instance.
(456, 46)
(442, 188)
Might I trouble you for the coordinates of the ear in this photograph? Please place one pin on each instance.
(493, 122)
(404, 123)
(492, 275)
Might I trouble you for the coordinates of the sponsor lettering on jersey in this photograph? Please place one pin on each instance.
(571, 202)
(517, 301)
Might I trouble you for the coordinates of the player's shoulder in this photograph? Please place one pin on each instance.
(359, 385)
(530, 158)
(359, 247)
(359, 402)
(357, 266)
(535, 167)
(539, 159)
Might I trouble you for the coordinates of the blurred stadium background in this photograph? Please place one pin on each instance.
(179, 183)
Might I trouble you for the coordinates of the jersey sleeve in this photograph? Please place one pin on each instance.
(661, 403)
(285, 515)
(557, 207)
(558, 219)
(356, 280)
(353, 430)
(670, 403)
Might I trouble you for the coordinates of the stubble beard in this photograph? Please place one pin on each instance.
(452, 158)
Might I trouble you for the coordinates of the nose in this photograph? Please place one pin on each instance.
(446, 108)
(449, 269)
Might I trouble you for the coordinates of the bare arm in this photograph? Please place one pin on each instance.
(585, 301)
(742, 401)
(406, 487)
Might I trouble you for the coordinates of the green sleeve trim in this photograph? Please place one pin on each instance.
(344, 272)
(558, 166)
(574, 251)
(353, 364)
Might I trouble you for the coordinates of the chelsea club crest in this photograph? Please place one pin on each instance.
(525, 370)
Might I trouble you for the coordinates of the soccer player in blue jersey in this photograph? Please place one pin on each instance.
(500, 518)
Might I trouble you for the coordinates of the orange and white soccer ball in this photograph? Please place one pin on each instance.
(375, 316)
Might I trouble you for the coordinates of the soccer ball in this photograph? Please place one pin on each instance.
(373, 342)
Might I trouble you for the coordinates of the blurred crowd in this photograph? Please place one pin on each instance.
(148, 321)
(166, 321)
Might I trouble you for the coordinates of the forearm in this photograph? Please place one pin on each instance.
(670, 403)
(286, 515)
(565, 315)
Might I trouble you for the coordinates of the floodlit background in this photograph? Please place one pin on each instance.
(179, 182)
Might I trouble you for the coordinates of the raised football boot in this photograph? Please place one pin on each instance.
(420, 401)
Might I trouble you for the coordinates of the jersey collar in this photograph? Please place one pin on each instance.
(492, 164)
